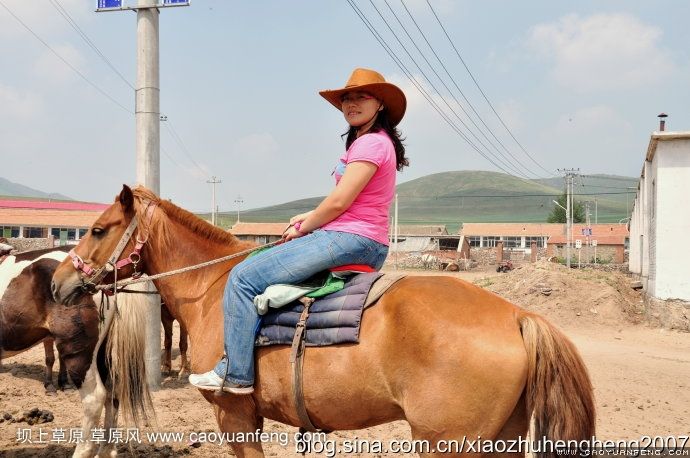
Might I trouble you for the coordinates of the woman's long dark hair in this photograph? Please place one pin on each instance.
(383, 123)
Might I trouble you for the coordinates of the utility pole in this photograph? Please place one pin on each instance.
(570, 174)
(213, 181)
(148, 139)
(239, 203)
(395, 231)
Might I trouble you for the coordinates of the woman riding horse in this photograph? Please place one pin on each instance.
(452, 359)
(350, 226)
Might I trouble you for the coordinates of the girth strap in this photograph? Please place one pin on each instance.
(296, 359)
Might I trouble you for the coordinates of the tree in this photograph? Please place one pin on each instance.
(558, 214)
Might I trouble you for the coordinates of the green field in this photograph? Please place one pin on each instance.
(452, 198)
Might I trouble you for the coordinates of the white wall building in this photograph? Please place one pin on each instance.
(660, 220)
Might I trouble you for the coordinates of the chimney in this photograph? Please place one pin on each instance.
(662, 121)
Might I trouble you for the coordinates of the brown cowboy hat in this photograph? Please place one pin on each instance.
(372, 82)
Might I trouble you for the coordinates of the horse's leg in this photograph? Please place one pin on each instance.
(237, 414)
(514, 432)
(50, 361)
(63, 380)
(474, 406)
(184, 345)
(108, 448)
(167, 321)
(93, 394)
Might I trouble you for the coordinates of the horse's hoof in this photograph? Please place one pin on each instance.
(50, 390)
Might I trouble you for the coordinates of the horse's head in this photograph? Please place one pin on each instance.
(112, 246)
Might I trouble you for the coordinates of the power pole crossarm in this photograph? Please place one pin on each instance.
(213, 181)
(239, 203)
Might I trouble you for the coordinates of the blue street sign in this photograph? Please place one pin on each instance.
(173, 2)
(109, 3)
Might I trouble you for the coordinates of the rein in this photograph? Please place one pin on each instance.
(91, 284)
(131, 281)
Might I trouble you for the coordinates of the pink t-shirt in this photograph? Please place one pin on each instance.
(368, 214)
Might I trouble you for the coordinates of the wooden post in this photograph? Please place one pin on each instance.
(533, 254)
(499, 252)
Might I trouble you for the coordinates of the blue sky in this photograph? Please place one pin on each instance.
(578, 83)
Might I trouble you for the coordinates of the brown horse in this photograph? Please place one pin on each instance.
(449, 357)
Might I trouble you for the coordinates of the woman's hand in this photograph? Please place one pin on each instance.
(301, 217)
(291, 233)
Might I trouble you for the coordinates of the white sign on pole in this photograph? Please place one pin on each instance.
(578, 244)
(594, 243)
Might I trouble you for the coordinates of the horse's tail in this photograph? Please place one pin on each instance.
(559, 391)
(126, 353)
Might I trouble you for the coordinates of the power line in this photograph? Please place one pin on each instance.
(88, 41)
(183, 147)
(516, 195)
(65, 61)
(419, 29)
(416, 84)
(480, 89)
(500, 156)
(481, 131)
(73, 23)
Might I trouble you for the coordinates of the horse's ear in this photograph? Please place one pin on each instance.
(126, 198)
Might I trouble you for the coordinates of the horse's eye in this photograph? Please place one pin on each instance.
(97, 231)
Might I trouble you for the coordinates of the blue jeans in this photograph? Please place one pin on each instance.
(289, 263)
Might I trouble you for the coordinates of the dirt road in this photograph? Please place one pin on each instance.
(640, 374)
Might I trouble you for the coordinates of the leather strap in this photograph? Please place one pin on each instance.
(297, 359)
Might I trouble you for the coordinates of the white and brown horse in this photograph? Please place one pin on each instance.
(449, 357)
(86, 335)
(29, 316)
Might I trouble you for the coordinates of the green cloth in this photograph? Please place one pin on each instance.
(332, 285)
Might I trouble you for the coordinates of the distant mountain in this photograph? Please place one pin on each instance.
(452, 198)
(10, 189)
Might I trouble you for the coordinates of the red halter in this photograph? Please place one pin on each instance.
(96, 275)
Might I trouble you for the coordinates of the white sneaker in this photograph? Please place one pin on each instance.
(210, 381)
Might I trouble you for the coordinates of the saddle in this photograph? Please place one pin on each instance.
(332, 319)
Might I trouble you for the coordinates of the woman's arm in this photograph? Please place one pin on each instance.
(357, 175)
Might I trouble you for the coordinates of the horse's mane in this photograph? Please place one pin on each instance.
(187, 219)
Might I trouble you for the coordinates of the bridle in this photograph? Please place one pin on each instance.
(91, 277)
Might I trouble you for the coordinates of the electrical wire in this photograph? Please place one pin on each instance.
(63, 12)
(499, 157)
(417, 85)
(481, 91)
(409, 13)
(65, 61)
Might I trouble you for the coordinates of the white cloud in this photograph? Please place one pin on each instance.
(41, 16)
(602, 51)
(15, 104)
(596, 137)
(591, 121)
(512, 114)
(51, 68)
(257, 144)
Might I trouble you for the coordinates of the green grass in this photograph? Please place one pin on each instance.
(452, 198)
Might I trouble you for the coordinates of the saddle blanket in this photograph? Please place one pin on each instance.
(333, 319)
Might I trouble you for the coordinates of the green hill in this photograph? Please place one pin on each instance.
(10, 189)
(476, 196)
